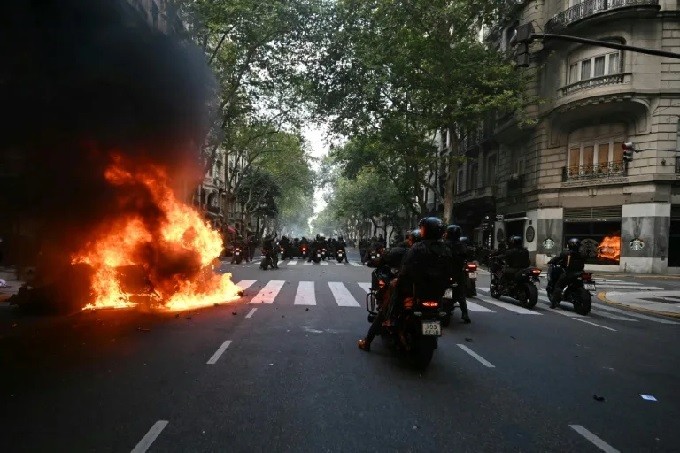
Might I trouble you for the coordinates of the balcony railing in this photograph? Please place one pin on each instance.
(590, 8)
(594, 171)
(609, 79)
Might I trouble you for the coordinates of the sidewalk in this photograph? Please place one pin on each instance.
(661, 303)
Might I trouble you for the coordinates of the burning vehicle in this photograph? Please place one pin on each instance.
(105, 147)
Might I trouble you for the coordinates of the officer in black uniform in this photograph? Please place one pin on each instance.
(572, 263)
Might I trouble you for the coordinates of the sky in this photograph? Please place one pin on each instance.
(315, 135)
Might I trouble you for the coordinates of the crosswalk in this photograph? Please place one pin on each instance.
(353, 294)
(622, 285)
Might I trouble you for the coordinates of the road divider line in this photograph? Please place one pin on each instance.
(476, 356)
(150, 437)
(251, 313)
(594, 324)
(342, 295)
(268, 293)
(511, 307)
(305, 294)
(216, 356)
(594, 439)
(324, 263)
(472, 306)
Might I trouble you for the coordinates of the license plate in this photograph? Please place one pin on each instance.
(448, 294)
(432, 328)
(590, 286)
(238, 253)
(472, 275)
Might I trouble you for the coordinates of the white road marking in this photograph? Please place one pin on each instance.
(636, 315)
(594, 324)
(632, 288)
(268, 293)
(366, 286)
(342, 295)
(595, 440)
(245, 284)
(292, 263)
(486, 290)
(355, 264)
(577, 317)
(305, 294)
(476, 356)
(605, 314)
(324, 263)
(216, 356)
(251, 313)
(478, 308)
(510, 307)
(307, 263)
(150, 437)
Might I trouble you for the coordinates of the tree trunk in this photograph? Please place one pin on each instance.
(451, 176)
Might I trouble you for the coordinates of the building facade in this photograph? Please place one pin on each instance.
(566, 176)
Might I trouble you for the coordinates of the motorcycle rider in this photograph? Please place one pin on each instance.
(285, 245)
(239, 243)
(314, 246)
(516, 259)
(458, 259)
(270, 249)
(426, 269)
(572, 262)
(342, 245)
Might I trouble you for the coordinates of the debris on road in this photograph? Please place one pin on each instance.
(234, 313)
(306, 309)
(240, 293)
(648, 397)
(599, 398)
(469, 340)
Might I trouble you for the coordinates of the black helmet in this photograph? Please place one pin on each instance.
(431, 228)
(516, 241)
(453, 233)
(414, 236)
(464, 240)
(573, 244)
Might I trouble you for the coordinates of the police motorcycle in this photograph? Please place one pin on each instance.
(577, 292)
(317, 256)
(521, 288)
(449, 303)
(269, 258)
(412, 329)
(470, 279)
(340, 255)
(238, 255)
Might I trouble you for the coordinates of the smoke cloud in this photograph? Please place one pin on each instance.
(80, 80)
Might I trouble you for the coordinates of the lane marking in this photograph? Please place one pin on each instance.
(292, 263)
(472, 306)
(251, 313)
(245, 284)
(150, 437)
(268, 293)
(324, 263)
(577, 317)
(366, 286)
(307, 263)
(635, 315)
(342, 295)
(593, 324)
(511, 307)
(594, 439)
(355, 264)
(216, 356)
(632, 288)
(305, 294)
(476, 356)
(605, 314)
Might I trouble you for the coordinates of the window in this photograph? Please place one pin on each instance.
(590, 159)
(459, 181)
(472, 176)
(491, 169)
(597, 66)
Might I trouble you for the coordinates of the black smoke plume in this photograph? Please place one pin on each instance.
(80, 79)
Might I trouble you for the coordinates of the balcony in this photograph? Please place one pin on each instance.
(609, 79)
(475, 194)
(515, 183)
(592, 8)
(593, 172)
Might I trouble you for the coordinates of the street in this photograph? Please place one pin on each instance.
(280, 371)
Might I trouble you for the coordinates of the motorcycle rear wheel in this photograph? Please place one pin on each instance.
(582, 302)
(530, 298)
(422, 355)
(495, 292)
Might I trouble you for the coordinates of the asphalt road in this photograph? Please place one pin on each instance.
(282, 376)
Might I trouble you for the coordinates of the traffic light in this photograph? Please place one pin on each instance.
(520, 40)
(628, 150)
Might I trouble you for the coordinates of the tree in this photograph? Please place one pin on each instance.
(394, 70)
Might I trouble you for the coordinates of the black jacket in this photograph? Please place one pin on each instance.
(458, 257)
(517, 258)
(426, 269)
(571, 261)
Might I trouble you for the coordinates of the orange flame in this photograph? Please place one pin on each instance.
(610, 248)
(174, 248)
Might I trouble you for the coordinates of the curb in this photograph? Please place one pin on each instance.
(602, 297)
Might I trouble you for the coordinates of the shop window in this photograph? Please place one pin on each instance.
(600, 241)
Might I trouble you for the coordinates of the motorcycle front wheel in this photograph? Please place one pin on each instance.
(494, 291)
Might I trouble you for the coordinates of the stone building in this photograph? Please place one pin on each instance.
(566, 175)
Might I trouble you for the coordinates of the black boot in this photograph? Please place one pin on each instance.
(466, 318)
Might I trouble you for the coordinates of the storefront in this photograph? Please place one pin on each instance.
(599, 230)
